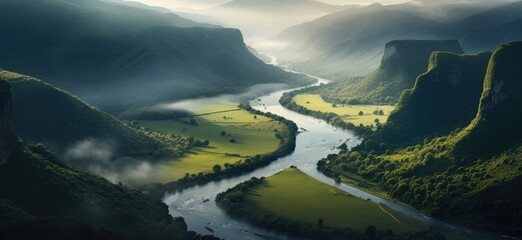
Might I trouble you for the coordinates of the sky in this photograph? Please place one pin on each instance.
(201, 4)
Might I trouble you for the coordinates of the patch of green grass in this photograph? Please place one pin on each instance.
(289, 192)
(349, 113)
(220, 124)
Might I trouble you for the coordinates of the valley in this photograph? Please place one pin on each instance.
(260, 119)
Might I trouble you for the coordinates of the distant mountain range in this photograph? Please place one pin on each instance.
(115, 55)
(258, 19)
(349, 42)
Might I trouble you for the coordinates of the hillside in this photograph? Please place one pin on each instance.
(112, 59)
(443, 99)
(402, 62)
(496, 126)
(469, 176)
(45, 114)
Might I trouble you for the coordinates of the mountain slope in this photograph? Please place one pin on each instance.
(114, 56)
(7, 126)
(443, 99)
(402, 62)
(499, 109)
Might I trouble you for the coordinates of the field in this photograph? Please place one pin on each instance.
(349, 113)
(287, 193)
(233, 133)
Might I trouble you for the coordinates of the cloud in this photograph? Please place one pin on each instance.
(98, 156)
(90, 149)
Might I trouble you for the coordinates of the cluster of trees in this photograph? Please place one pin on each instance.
(332, 118)
(235, 203)
(429, 177)
(173, 145)
(286, 146)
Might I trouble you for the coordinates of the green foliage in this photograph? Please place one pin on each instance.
(38, 183)
(471, 176)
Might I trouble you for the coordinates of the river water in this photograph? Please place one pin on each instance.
(318, 139)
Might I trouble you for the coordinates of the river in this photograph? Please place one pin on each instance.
(318, 139)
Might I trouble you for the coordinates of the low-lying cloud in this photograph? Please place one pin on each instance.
(99, 157)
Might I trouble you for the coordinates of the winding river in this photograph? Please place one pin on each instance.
(318, 139)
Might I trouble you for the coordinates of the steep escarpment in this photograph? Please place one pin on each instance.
(444, 98)
(496, 125)
(402, 62)
(7, 127)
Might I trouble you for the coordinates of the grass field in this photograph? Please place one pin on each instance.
(288, 193)
(349, 113)
(252, 134)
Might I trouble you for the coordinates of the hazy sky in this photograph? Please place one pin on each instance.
(199, 4)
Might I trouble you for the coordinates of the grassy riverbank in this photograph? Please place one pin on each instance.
(349, 113)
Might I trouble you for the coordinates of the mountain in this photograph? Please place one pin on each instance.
(348, 43)
(402, 62)
(115, 56)
(45, 114)
(260, 19)
(495, 127)
(486, 30)
(443, 99)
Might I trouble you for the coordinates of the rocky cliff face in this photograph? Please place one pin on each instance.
(497, 123)
(444, 98)
(7, 129)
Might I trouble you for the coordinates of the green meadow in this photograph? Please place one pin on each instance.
(349, 113)
(287, 193)
(233, 134)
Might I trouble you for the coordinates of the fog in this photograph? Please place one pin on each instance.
(98, 156)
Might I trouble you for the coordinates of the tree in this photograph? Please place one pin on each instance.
(223, 133)
(233, 140)
(216, 168)
(377, 120)
(320, 222)
(255, 116)
(381, 112)
(361, 113)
